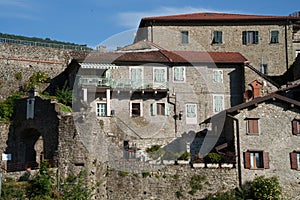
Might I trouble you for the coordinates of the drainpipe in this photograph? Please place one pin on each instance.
(175, 116)
(152, 30)
(286, 46)
(238, 149)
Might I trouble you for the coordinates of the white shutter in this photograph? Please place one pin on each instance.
(154, 109)
(167, 109)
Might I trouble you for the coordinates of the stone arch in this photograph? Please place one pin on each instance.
(33, 147)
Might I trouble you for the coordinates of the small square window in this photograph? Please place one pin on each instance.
(218, 103)
(184, 37)
(252, 126)
(256, 160)
(274, 37)
(101, 110)
(250, 37)
(218, 76)
(217, 37)
(159, 109)
(295, 160)
(135, 110)
(296, 126)
(179, 74)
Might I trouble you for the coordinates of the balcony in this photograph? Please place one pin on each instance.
(129, 84)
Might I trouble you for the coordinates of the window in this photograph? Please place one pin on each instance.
(184, 37)
(256, 160)
(250, 37)
(295, 160)
(179, 74)
(218, 103)
(218, 76)
(217, 37)
(159, 75)
(252, 126)
(159, 109)
(274, 37)
(136, 109)
(296, 126)
(101, 110)
(136, 77)
(191, 113)
(30, 108)
(264, 68)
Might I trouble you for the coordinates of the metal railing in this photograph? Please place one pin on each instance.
(122, 83)
(45, 44)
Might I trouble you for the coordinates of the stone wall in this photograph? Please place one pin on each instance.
(275, 136)
(165, 183)
(26, 60)
(200, 39)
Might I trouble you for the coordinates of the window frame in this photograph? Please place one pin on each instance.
(184, 37)
(295, 160)
(164, 75)
(193, 119)
(155, 108)
(296, 127)
(276, 36)
(220, 75)
(217, 37)
(183, 75)
(140, 106)
(98, 109)
(141, 83)
(248, 126)
(250, 37)
(214, 103)
(263, 157)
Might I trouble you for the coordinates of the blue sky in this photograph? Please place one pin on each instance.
(93, 21)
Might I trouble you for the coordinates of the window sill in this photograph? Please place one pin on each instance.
(257, 168)
(253, 134)
(216, 44)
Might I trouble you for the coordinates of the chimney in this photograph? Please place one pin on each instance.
(256, 88)
(101, 49)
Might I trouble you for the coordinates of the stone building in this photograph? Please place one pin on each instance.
(152, 96)
(270, 43)
(266, 138)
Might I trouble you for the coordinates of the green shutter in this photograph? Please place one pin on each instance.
(244, 37)
(255, 39)
(167, 109)
(153, 109)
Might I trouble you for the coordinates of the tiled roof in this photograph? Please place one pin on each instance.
(214, 16)
(258, 100)
(164, 56)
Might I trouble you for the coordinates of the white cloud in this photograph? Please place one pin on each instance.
(132, 19)
(15, 3)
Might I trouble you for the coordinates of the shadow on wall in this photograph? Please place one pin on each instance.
(32, 140)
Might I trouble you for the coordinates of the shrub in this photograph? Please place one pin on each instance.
(35, 79)
(145, 174)
(65, 95)
(196, 183)
(155, 151)
(265, 188)
(7, 107)
(185, 156)
(213, 158)
(18, 76)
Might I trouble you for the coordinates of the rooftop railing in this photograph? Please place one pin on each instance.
(45, 44)
(122, 83)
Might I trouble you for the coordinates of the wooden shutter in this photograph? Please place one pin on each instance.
(266, 160)
(244, 37)
(294, 164)
(295, 126)
(253, 126)
(247, 164)
(167, 109)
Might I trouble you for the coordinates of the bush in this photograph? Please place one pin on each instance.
(155, 151)
(213, 158)
(265, 188)
(65, 95)
(196, 183)
(35, 79)
(185, 156)
(7, 107)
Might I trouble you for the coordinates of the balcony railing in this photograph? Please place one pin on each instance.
(122, 83)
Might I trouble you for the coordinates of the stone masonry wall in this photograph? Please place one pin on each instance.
(29, 59)
(165, 183)
(200, 39)
(275, 136)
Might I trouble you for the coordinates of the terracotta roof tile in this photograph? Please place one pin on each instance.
(164, 56)
(214, 16)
